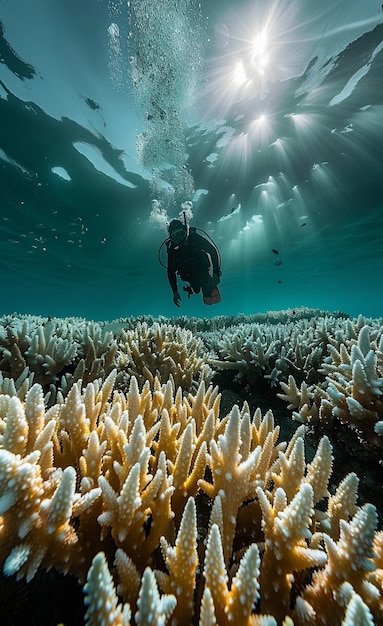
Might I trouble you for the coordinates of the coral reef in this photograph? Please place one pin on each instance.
(352, 390)
(57, 353)
(168, 508)
(165, 351)
(53, 352)
(274, 351)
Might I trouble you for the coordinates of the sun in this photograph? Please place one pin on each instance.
(260, 45)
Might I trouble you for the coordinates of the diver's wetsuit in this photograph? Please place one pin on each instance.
(196, 261)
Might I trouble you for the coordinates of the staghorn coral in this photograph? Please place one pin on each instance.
(165, 351)
(121, 469)
(36, 346)
(57, 353)
(220, 322)
(346, 576)
(107, 479)
(352, 392)
(52, 352)
(274, 351)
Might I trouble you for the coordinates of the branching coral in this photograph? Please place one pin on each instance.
(273, 351)
(167, 510)
(110, 478)
(53, 352)
(165, 351)
(352, 392)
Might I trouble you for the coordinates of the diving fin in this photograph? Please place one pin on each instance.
(214, 298)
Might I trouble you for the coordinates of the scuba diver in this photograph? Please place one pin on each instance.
(195, 260)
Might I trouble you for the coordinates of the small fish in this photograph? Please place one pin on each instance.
(275, 251)
(304, 224)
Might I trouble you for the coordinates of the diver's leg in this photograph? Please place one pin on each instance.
(210, 291)
(195, 282)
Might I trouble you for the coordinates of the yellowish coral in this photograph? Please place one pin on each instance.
(164, 351)
(181, 563)
(101, 599)
(286, 527)
(215, 514)
(349, 566)
(232, 473)
(234, 606)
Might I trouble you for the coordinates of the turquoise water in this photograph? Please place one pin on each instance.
(268, 120)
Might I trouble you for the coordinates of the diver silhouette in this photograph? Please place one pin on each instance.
(195, 260)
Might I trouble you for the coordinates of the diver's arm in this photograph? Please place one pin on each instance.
(172, 278)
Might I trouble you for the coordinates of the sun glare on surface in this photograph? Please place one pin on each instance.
(259, 54)
(252, 54)
(284, 127)
(239, 74)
